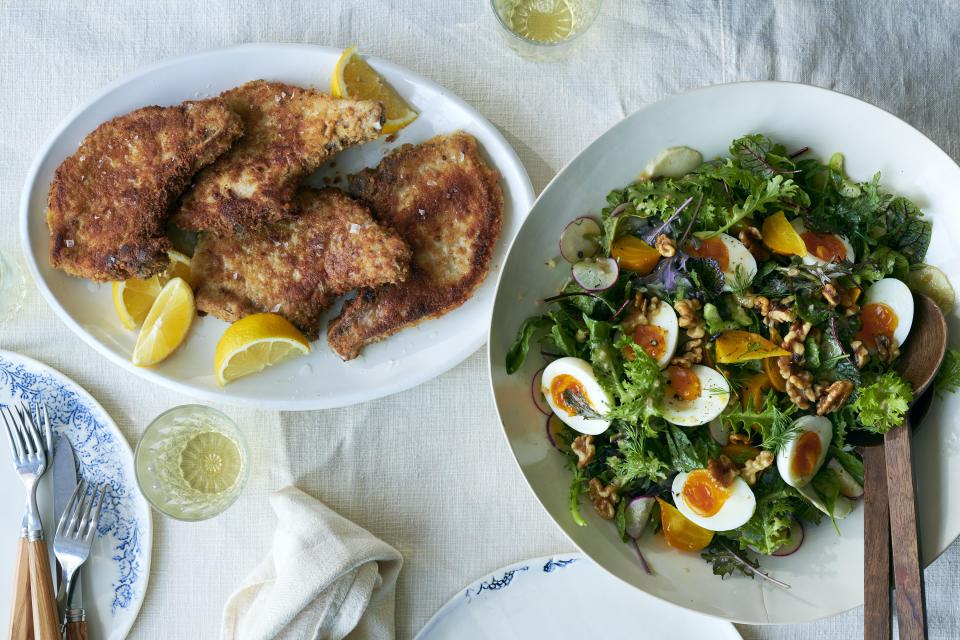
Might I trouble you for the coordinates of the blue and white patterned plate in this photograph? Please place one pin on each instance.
(564, 596)
(115, 576)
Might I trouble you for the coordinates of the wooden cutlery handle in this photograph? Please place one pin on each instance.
(21, 611)
(904, 535)
(876, 546)
(77, 630)
(45, 625)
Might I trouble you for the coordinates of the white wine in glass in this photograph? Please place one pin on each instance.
(191, 462)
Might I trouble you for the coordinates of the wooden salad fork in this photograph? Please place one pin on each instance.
(33, 587)
(890, 518)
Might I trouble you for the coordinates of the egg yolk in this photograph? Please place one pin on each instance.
(702, 494)
(712, 248)
(565, 382)
(825, 246)
(806, 453)
(878, 319)
(684, 383)
(652, 339)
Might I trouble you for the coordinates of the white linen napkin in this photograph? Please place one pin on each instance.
(324, 578)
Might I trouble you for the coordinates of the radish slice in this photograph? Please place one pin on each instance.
(796, 539)
(637, 515)
(596, 275)
(849, 487)
(719, 432)
(556, 426)
(578, 239)
(537, 394)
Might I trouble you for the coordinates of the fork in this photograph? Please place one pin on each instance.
(33, 587)
(75, 533)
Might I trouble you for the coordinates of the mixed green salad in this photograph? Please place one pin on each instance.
(726, 325)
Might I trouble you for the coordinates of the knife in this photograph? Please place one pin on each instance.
(64, 484)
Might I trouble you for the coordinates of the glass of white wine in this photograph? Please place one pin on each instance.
(544, 29)
(191, 462)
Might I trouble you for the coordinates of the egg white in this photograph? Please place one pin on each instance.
(738, 508)
(824, 430)
(896, 295)
(713, 398)
(739, 256)
(597, 397)
(813, 260)
(666, 318)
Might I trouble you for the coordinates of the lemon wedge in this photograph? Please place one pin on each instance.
(133, 299)
(354, 78)
(166, 324)
(179, 267)
(255, 343)
(210, 462)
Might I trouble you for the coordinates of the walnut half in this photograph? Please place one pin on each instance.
(753, 466)
(603, 498)
(583, 446)
(834, 397)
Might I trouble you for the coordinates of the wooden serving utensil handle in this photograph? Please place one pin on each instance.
(45, 625)
(77, 630)
(21, 611)
(876, 546)
(904, 535)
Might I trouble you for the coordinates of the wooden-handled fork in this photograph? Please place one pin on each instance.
(31, 450)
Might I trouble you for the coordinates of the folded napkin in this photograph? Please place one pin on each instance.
(324, 578)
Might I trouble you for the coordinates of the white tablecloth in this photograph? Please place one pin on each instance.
(428, 470)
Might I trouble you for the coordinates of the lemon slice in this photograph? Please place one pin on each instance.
(255, 343)
(133, 299)
(354, 78)
(166, 324)
(179, 267)
(211, 462)
(931, 281)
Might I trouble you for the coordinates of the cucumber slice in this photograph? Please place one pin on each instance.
(637, 515)
(673, 162)
(848, 486)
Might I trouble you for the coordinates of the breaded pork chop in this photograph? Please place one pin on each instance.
(109, 202)
(288, 133)
(297, 267)
(446, 203)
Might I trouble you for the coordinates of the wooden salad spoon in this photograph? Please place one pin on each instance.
(890, 491)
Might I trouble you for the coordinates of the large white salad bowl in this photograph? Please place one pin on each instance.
(826, 574)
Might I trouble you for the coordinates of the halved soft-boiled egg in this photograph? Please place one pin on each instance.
(572, 391)
(887, 310)
(823, 248)
(704, 502)
(730, 254)
(799, 459)
(694, 395)
(658, 337)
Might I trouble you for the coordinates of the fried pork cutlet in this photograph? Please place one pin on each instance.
(109, 202)
(297, 267)
(446, 203)
(288, 133)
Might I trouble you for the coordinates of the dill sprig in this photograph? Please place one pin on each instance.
(773, 423)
